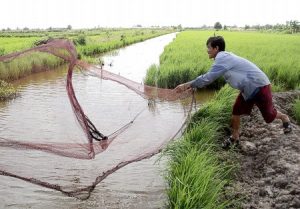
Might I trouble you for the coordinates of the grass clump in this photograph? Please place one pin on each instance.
(7, 91)
(196, 176)
(296, 110)
(28, 64)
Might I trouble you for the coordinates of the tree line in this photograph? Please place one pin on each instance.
(292, 26)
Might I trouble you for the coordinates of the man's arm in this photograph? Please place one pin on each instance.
(203, 80)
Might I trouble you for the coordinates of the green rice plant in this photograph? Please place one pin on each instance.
(4, 72)
(179, 61)
(217, 110)
(2, 51)
(28, 64)
(196, 179)
(152, 75)
(80, 40)
(196, 176)
(98, 44)
(296, 110)
(12, 44)
(277, 87)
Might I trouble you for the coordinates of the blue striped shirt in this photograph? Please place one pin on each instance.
(238, 72)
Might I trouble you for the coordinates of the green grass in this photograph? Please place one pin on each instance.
(7, 90)
(296, 110)
(28, 64)
(110, 40)
(13, 44)
(278, 55)
(196, 175)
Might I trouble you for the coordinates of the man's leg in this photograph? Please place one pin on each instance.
(235, 135)
(240, 107)
(235, 124)
(283, 117)
(266, 107)
(287, 127)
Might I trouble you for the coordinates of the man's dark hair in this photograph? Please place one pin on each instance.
(216, 41)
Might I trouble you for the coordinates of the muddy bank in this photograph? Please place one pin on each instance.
(269, 176)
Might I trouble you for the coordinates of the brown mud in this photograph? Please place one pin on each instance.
(269, 173)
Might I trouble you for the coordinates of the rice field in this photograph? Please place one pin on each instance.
(109, 40)
(88, 42)
(278, 55)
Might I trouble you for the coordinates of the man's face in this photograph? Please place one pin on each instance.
(212, 52)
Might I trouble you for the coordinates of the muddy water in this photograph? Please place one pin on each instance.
(43, 114)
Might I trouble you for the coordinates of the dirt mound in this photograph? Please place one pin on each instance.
(269, 176)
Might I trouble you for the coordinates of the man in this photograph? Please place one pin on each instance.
(245, 76)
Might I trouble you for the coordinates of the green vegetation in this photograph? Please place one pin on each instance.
(109, 40)
(25, 65)
(296, 110)
(13, 44)
(6, 90)
(196, 176)
(292, 26)
(278, 55)
(88, 42)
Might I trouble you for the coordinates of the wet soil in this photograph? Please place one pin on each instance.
(269, 173)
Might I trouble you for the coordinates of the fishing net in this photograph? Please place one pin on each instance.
(71, 165)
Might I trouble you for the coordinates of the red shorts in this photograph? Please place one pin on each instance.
(263, 100)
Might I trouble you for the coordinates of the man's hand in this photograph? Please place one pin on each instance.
(182, 87)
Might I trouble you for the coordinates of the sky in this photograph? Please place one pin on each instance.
(128, 13)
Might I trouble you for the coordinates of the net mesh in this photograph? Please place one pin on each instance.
(96, 141)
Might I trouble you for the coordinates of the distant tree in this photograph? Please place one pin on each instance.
(247, 27)
(294, 25)
(279, 27)
(179, 27)
(203, 26)
(225, 27)
(268, 26)
(69, 27)
(218, 26)
(26, 28)
(257, 27)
